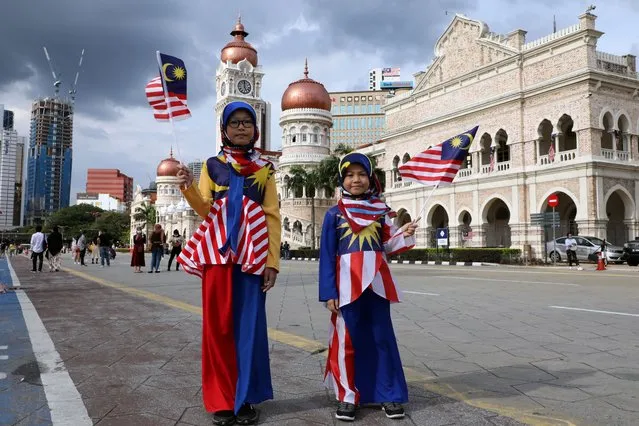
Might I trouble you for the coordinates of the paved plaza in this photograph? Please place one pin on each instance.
(481, 346)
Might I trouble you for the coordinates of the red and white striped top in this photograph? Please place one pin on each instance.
(204, 247)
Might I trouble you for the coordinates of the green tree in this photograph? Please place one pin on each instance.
(147, 214)
(116, 224)
(73, 219)
(300, 180)
(342, 149)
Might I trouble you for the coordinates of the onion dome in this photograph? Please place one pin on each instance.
(306, 93)
(162, 210)
(168, 166)
(238, 49)
(170, 209)
(181, 206)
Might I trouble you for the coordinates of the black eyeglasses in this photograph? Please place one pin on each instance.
(236, 123)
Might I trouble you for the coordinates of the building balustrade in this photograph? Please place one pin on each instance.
(611, 154)
(465, 173)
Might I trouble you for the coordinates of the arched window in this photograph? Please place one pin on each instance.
(622, 137)
(405, 158)
(293, 135)
(396, 176)
(607, 136)
(316, 132)
(503, 149)
(567, 138)
(304, 132)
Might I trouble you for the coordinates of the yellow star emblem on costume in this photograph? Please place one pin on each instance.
(369, 235)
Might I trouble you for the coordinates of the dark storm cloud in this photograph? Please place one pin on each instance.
(120, 38)
(400, 29)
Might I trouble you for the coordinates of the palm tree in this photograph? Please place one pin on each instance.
(342, 149)
(302, 179)
(146, 213)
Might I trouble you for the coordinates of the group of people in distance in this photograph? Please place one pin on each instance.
(237, 198)
(51, 246)
(156, 243)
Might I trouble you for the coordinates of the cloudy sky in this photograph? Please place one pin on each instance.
(114, 127)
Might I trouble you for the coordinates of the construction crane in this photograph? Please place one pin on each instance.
(73, 90)
(57, 81)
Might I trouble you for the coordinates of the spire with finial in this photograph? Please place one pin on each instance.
(171, 152)
(305, 67)
(238, 31)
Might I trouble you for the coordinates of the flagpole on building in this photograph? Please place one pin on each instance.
(168, 106)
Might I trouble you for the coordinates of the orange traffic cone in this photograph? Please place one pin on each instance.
(601, 266)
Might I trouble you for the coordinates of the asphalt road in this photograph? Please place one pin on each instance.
(538, 345)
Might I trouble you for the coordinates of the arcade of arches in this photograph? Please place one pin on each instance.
(497, 227)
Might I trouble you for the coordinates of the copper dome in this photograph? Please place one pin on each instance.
(306, 93)
(168, 166)
(238, 49)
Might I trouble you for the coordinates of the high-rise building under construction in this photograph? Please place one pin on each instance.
(50, 158)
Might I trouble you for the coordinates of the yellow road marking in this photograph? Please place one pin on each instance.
(522, 414)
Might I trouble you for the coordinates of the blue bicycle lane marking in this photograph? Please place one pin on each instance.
(22, 396)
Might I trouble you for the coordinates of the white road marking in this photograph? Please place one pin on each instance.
(4, 357)
(4, 348)
(418, 292)
(513, 281)
(14, 278)
(63, 398)
(596, 311)
(3, 376)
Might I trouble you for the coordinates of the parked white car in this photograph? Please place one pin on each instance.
(585, 246)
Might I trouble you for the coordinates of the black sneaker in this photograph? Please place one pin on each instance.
(393, 410)
(345, 411)
(224, 418)
(247, 415)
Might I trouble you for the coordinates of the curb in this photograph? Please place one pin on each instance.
(411, 262)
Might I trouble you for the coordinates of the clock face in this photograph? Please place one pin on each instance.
(244, 87)
(223, 88)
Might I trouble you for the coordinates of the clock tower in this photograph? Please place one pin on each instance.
(239, 78)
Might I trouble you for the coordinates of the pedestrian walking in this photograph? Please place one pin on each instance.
(176, 247)
(38, 245)
(157, 240)
(571, 251)
(355, 282)
(82, 247)
(54, 247)
(235, 360)
(104, 242)
(137, 253)
(287, 250)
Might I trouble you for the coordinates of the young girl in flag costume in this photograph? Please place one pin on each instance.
(236, 253)
(363, 365)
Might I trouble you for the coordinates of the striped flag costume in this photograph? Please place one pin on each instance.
(363, 364)
(354, 269)
(438, 165)
(231, 250)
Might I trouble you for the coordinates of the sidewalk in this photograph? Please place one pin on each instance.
(136, 361)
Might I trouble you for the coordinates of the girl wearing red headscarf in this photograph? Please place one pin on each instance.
(236, 253)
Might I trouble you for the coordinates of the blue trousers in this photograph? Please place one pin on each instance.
(156, 257)
(105, 255)
(379, 376)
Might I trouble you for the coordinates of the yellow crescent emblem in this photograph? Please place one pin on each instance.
(164, 67)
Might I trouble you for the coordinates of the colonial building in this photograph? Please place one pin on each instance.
(239, 78)
(306, 122)
(172, 211)
(555, 116)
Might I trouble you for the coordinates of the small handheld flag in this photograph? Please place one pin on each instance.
(167, 93)
(439, 164)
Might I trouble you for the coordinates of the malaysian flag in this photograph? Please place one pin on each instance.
(551, 152)
(439, 164)
(492, 159)
(167, 94)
